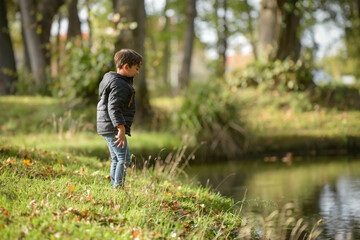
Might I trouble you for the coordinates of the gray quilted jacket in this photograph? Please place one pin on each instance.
(116, 105)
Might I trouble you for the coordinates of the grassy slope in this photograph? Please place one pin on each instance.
(54, 125)
(275, 124)
(54, 186)
(51, 195)
(282, 123)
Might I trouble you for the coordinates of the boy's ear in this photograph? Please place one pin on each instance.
(126, 66)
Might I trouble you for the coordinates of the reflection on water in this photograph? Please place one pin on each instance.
(340, 208)
(327, 189)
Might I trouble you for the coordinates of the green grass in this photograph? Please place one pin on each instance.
(55, 124)
(285, 122)
(55, 195)
(274, 123)
(54, 182)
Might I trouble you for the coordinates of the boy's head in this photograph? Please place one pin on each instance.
(127, 56)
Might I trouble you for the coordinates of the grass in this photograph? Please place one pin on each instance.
(275, 123)
(56, 195)
(54, 124)
(288, 122)
(51, 195)
(54, 184)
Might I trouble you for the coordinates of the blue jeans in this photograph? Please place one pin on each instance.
(120, 161)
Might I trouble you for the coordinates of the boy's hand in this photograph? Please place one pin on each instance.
(120, 136)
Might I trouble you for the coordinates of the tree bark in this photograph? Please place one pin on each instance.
(74, 28)
(166, 51)
(268, 27)
(47, 10)
(289, 41)
(8, 74)
(250, 29)
(132, 36)
(184, 74)
(89, 22)
(222, 32)
(278, 30)
(37, 58)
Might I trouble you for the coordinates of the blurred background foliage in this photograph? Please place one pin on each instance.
(201, 58)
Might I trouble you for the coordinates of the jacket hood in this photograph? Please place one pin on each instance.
(109, 78)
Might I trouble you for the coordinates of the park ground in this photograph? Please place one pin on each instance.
(54, 169)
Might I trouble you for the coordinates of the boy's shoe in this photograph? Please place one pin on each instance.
(119, 187)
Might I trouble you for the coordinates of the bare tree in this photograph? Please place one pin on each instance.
(37, 58)
(8, 74)
(133, 16)
(184, 74)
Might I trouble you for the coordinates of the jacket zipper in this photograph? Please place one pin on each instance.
(132, 95)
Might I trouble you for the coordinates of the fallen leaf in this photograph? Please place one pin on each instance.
(27, 162)
(10, 160)
(72, 188)
(136, 235)
(5, 212)
(89, 197)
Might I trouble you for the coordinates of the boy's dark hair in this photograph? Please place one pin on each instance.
(127, 56)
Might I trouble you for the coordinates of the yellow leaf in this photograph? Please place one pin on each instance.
(61, 162)
(72, 188)
(27, 162)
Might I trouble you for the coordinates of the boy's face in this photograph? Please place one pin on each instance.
(132, 71)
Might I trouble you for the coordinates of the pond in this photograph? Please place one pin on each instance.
(316, 188)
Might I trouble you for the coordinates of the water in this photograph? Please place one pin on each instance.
(318, 188)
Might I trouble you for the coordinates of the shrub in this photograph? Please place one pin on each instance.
(280, 75)
(337, 96)
(81, 71)
(210, 112)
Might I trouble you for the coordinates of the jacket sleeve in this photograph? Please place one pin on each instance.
(116, 103)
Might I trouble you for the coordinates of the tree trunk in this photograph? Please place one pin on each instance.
(89, 23)
(184, 74)
(222, 33)
(133, 36)
(27, 66)
(250, 29)
(8, 74)
(167, 41)
(37, 58)
(74, 28)
(47, 10)
(278, 30)
(289, 41)
(268, 27)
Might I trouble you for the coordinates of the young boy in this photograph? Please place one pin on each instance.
(116, 111)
